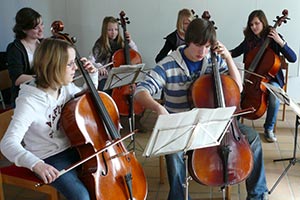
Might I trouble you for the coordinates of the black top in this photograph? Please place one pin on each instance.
(18, 63)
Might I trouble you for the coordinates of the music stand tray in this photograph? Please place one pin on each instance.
(284, 98)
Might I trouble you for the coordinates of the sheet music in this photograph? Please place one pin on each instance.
(124, 75)
(184, 131)
(283, 97)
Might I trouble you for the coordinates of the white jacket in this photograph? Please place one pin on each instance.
(33, 133)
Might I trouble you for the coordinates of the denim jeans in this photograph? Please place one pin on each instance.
(176, 175)
(272, 109)
(255, 184)
(68, 184)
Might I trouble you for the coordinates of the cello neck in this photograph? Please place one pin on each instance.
(218, 83)
(259, 55)
(124, 21)
(98, 103)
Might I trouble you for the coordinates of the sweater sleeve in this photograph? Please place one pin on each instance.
(288, 53)
(15, 61)
(239, 50)
(133, 45)
(11, 143)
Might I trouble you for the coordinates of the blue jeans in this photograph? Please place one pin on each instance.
(272, 110)
(68, 184)
(176, 175)
(255, 184)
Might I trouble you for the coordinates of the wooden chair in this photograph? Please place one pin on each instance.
(284, 67)
(20, 176)
(5, 83)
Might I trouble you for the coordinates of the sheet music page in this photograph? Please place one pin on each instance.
(211, 127)
(283, 97)
(295, 107)
(278, 92)
(171, 133)
(124, 75)
(188, 130)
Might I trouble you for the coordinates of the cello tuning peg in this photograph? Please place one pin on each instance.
(74, 39)
(128, 22)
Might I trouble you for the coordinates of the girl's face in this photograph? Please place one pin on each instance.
(37, 32)
(256, 26)
(71, 66)
(185, 23)
(195, 52)
(112, 30)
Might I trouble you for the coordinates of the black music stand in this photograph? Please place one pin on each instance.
(126, 75)
(198, 128)
(284, 98)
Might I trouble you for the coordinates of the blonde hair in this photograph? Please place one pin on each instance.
(50, 62)
(182, 14)
(103, 49)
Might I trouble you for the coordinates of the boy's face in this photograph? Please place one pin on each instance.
(196, 52)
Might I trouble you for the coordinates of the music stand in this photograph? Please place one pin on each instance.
(284, 98)
(126, 75)
(198, 128)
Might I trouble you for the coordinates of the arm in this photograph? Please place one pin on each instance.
(131, 43)
(233, 70)
(10, 145)
(145, 99)
(170, 45)
(239, 50)
(101, 70)
(18, 64)
(164, 51)
(288, 53)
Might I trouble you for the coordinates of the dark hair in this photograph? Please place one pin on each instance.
(26, 19)
(200, 31)
(249, 35)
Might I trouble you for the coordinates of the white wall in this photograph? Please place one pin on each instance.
(151, 20)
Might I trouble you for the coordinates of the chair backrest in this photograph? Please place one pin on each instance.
(284, 64)
(5, 119)
(5, 82)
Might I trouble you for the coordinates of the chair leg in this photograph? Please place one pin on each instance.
(283, 112)
(161, 170)
(1, 188)
(228, 193)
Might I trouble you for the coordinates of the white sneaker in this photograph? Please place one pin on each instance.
(266, 196)
(270, 136)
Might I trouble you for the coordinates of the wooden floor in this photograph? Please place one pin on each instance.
(287, 189)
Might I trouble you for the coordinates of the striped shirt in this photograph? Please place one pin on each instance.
(172, 76)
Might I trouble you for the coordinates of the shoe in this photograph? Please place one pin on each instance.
(266, 196)
(270, 136)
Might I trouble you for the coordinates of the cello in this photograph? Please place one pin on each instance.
(262, 64)
(90, 121)
(123, 96)
(220, 165)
